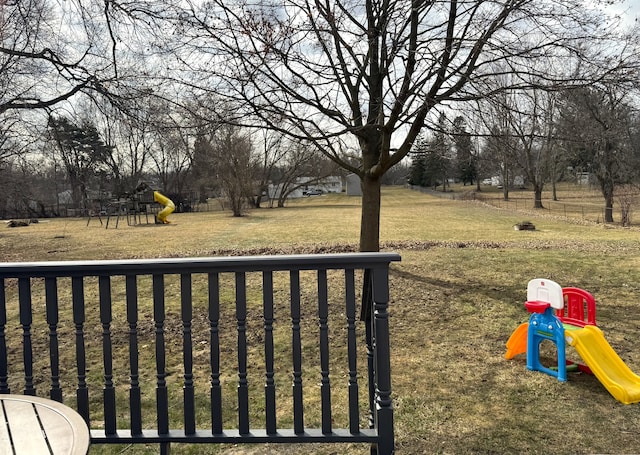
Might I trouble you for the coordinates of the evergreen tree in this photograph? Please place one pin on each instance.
(439, 161)
(83, 154)
(466, 163)
(418, 161)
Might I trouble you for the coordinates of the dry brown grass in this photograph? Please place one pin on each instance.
(576, 202)
(456, 297)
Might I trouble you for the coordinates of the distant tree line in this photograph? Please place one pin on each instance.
(537, 138)
(89, 162)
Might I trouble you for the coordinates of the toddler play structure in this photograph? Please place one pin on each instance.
(568, 316)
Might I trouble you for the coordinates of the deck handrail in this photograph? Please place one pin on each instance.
(74, 293)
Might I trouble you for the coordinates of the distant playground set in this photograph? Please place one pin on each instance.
(567, 316)
(137, 204)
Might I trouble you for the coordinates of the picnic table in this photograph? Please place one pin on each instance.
(34, 425)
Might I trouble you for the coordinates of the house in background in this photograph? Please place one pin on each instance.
(308, 186)
(353, 185)
(583, 178)
(332, 184)
(518, 181)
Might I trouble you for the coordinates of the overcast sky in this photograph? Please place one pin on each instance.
(629, 10)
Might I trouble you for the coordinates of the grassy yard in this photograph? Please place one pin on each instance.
(456, 297)
(578, 202)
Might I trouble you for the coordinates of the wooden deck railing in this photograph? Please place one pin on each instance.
(206, 350)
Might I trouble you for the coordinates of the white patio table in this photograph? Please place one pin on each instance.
(33, 425)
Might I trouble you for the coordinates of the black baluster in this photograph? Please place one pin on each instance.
(162, 400)
(109, 392)
(243, 385)
(51, 302)
(325, 386)
(135, 404)
(24, 297)
(186, 303)
(384, 404)
(366, 316)
(270, 385)
(214, 317)
(298, 408)
(82, 391)
(354, 415)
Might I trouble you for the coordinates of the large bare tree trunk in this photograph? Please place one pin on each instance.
(505, 184)
(370, 221)
(608, 210)
(607, 191)
(537, 196)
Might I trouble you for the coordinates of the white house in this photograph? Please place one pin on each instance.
(332, 184)
(496, 180)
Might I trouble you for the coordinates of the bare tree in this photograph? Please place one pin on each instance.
(170, 146)
(51, 52)
(11, 144)
(230, 153)
(529, 114)
(132, 145)
(203, 171)
(500, 147)
(597, 122)
(131, 138)
(273, 148)
(171, 156)
(369, 73)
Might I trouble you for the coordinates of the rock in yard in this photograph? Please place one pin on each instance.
(525, 226)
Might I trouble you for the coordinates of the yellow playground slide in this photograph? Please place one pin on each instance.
(590, 343)
(169, 207)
